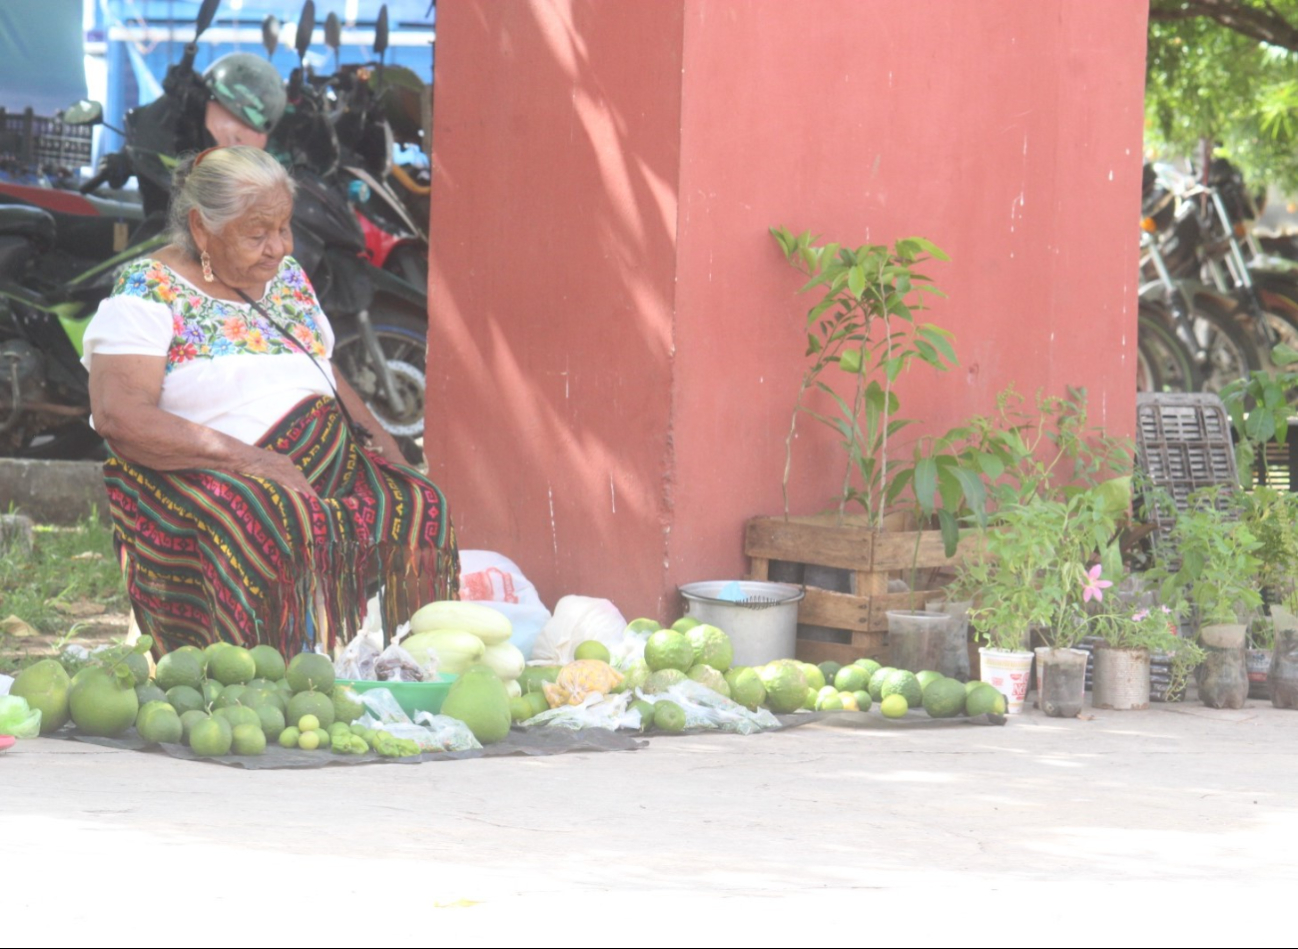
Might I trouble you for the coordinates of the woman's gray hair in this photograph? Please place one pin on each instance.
(221, 184)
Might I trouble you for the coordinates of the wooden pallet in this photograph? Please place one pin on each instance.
(872, 557)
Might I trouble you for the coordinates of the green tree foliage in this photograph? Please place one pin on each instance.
(1226, 71)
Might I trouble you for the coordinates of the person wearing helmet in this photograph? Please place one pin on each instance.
(238, 100)
(247, 101)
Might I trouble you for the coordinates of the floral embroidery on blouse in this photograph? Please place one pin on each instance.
(204, 327)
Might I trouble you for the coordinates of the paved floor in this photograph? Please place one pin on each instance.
(1128, 828)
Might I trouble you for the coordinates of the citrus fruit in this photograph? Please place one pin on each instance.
(711, 646)
(925, 676)
(786, 687)
(646, 710)
(668, 649)
(815, 678)
(809, 702)
(149, 692)
(746, 687)
(944, 698)
(272, 721)
(669, 717)
(196, 653)
(138, 663)
(642, 624)
(901, 682)
(288, 737)
(184, 699)
(863, 700)
(187, 722)
(308, 740)
(985, 699)
(714, 680)
(311, 703)
(247, 740)
(229, 695)
(268, 662)
(894, 706)
(829, 702)
(478, 698)
(849, 701)
(231, 666)
(685, 624)
(239, 715)
(875, 686)
(829, 669)
(869, 665)
(347, 704)
(592, 649)
(972, 684)
(102, 704)
(308, 723)
(310, 671)
(211, 737)
(535, 702)
(158, 722)
(323, 740)
(45, 685)
(851, 679)
(179, 668)
(211, 692)
(520, 709)
(662, 680)
(634, 676)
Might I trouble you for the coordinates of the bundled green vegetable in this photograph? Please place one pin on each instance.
(17, 718)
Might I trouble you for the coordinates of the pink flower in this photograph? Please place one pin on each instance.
(1094, 589)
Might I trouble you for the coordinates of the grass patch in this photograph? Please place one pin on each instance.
(67, 570)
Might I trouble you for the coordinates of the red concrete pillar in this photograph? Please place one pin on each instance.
(616, 342)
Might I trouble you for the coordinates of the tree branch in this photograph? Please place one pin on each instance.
(1267, 25)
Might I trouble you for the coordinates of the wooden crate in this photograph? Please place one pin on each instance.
(873, 558)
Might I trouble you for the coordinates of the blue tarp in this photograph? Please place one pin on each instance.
(42, 57)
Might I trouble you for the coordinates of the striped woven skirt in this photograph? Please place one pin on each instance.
(214, 556)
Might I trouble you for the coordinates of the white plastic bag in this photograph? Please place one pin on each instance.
(397, 665)
(356, 662)
(430, 732)
(594, 711)
(494, 580)
(575, 620)
(707, 709)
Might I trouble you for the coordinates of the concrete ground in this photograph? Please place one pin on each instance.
(1167, 827)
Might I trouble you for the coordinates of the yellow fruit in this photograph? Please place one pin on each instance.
(894, 706)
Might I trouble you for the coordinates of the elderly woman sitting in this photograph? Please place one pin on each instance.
(245, 506)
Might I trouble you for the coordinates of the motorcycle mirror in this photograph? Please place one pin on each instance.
(84, 112)
(333, 33)
(206, 13)
(270, 28)
(381, 31)
(305, 27)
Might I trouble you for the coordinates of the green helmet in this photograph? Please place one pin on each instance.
(250, 87)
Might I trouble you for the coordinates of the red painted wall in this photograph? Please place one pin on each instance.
(616, 338)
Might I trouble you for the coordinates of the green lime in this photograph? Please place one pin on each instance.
(592, 649)
(520, 709)
(231, 666)
(310, 671)
(288, 738)
(894, 706)
(211, 737)
(307, 741)
(185, 699)
(179, 668)
(272, 721)
(248, 740)
(669, 717)
(863, 700)
(268, 662)
(311, 703)
(308, 723)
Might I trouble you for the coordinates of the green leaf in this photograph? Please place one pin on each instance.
(1282, 354)
(929, 248)
(849, 360)
(992, 466)
(950, 531)
(975, 492)
(925, 483)
(813, 344)
(856, 281)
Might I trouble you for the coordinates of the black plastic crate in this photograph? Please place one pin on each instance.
(42, 143)
(1183, 443)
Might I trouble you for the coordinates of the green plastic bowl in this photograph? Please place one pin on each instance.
(411, 696)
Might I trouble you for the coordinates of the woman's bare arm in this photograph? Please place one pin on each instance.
(124, 395)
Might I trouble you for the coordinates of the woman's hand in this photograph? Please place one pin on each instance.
(264, 463)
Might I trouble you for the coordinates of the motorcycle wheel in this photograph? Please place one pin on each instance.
(1231, 354)
(403, 337)
(1163, 362)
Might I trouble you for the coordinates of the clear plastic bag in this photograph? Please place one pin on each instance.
(580, 679)
(397, 665)
(17, 718)
(575, 620)
(432, 733)
(711, 710)
(358, 658)
(594, 711)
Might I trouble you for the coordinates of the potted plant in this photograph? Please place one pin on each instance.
(1039, 568)
(1128, 634)
(1272, 517)
(862, 336)
(1216, 577)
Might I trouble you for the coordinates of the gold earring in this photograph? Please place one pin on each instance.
(206, 261)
